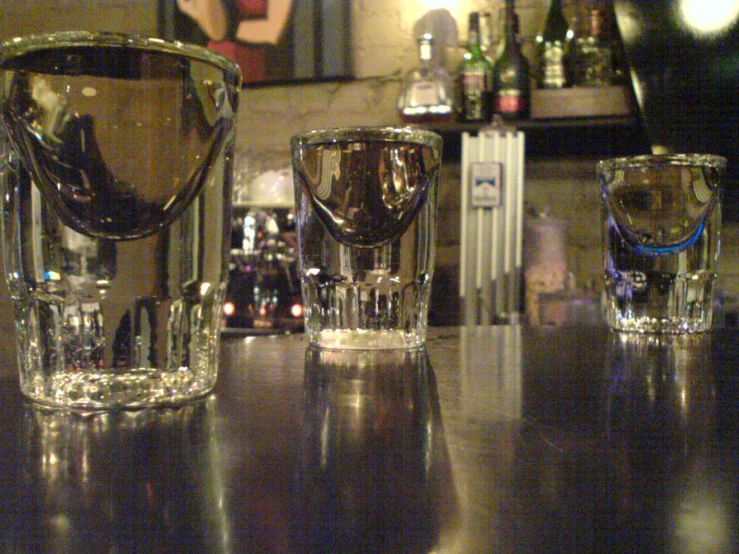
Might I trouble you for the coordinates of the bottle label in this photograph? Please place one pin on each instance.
(509, 104)
(424, 93)
(474, 81)
(553, 65)
(475, 97)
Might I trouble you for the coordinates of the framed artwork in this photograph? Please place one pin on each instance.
(273, 41)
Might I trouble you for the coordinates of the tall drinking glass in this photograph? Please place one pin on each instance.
(116, 170)
(661, 230)
(366, 215)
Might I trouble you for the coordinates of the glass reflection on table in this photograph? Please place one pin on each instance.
(669, 466)
(123, 481)
(374, 472)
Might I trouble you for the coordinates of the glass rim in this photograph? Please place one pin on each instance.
(19, 46)
(358, 133)
(661, 160)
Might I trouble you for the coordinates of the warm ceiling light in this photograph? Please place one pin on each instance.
(709, 17)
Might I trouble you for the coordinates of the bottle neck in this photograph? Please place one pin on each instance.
(573, 31)
(555, 26)
(473, 40)
(511, 26)
(595, 24)
(555, 6)
(425, 53)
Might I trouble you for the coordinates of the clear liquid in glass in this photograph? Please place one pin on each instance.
(119, 140)
(661, 241)
(366, 226)
(116, 185)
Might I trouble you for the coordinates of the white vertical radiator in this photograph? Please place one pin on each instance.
(491, 226)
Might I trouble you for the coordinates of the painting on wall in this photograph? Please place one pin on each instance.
(273, 41)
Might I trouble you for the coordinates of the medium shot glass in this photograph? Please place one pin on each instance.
(661, 218)
(366, 217)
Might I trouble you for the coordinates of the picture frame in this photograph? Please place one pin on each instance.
(273, 41)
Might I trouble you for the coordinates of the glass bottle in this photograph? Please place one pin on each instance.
(611, 35)
(597, 55)
(475, 78)
(427, 95)
(551, 43)
(486, 34)
(511, 72)
(573, 48)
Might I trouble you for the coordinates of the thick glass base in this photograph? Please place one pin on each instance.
(365, 340)
(88, 390)
(672, 306)
(670, 326)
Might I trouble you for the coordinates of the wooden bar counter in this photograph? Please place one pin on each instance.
(498, 439)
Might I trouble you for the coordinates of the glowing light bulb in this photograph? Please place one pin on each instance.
(709, 17)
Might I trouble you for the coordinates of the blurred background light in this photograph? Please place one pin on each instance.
(709, 17)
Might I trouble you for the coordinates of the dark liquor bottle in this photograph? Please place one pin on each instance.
(573, 49)
(551, 43)
(511, 72)
(475, 78)
(427, 95)
(612, 36)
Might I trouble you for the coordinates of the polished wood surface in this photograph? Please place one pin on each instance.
(492, 439)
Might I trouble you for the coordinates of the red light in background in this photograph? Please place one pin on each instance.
(296, 310)
(229, 309)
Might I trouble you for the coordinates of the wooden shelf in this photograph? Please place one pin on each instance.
(616, 100)
(562, 137)
(538, 124)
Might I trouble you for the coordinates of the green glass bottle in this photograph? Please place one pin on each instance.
(551, 43)
(475, 78)
(597, 55)
(573, 49)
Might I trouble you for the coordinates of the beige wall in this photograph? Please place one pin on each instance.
(24, 17)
